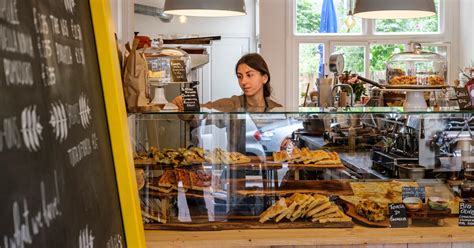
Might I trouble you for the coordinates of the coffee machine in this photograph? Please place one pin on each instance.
(406, 141)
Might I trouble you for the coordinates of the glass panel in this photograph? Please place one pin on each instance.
(309, 14)
(219, 171)
(419, 25)
(379, 54)
(310, 59)
(354, 57)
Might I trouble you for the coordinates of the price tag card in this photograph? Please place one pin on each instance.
(463, 98)
(398, 215)
(190, 98)
(178, 71)
(418, 192)
(466, 214)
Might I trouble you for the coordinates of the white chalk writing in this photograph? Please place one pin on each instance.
(48, 75)
(58, 121)
(55, 25)
(80, 151)
(76, 31)
(84, 111)
(86, 239)
(18, 72)
(115, 242)
(41, 22)
(45, 49)
(69, 4)
(11, 134)
(63, 54)
(64, 28)
(9, 11)
(16, 42)
(79, 56)
(31, 128)
(23, 224)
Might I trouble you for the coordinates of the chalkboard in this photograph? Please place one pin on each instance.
(190, 97)
(414, 192)
(59, 181)
(466, 214)
(398, 215)
(178, 71)
(463, 98)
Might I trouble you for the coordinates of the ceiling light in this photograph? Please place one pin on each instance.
(205, 8)
(394, 9)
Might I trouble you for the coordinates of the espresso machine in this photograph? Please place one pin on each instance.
(407, 143)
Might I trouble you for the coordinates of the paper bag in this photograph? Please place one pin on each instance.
(135, 79)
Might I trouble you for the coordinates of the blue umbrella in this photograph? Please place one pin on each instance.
(328, 24)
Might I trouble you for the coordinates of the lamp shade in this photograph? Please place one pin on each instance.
(205, 8)
(394, 9)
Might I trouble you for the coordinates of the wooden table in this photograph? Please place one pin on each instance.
(450, 235)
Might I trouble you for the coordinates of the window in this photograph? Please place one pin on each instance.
(418, 25)
(354, 57)
(309, 16)
(367, 45)
(379, 54)
(309, 67)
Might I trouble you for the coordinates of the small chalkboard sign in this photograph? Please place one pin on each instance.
(398, 215)
(190, 97)
(463, 98)
(466, 214)
(178, 71)
(414, 192)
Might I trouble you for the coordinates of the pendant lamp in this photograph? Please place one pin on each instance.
(205, 8)
(394, 9)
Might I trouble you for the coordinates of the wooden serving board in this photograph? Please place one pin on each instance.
(351, 211)
(324, 187)
(235, 225)
(427, 213)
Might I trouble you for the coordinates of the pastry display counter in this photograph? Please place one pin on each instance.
(247, 174)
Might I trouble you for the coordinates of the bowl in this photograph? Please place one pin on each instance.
(413, 203)
(437, 203)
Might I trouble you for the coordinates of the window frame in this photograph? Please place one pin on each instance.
(367, 37)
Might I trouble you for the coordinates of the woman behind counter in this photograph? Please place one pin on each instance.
(254, 80)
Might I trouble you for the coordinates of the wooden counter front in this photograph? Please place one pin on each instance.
(450, 235)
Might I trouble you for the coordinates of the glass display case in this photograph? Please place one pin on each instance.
(310, 167)
(416, 68)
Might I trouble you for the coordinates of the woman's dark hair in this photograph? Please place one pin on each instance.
(255, 61)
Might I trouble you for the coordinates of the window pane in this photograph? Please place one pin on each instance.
(379, 54)
(310, 56)
(354, 57)
(309, 13)
(418, 25)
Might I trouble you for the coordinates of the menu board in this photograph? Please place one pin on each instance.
(418, 192)
(190, 97)
(463, 98)
(59, 186)
(466, 214)
(178, 71)
(398, 215)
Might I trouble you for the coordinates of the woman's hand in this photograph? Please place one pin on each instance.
(178, 101)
